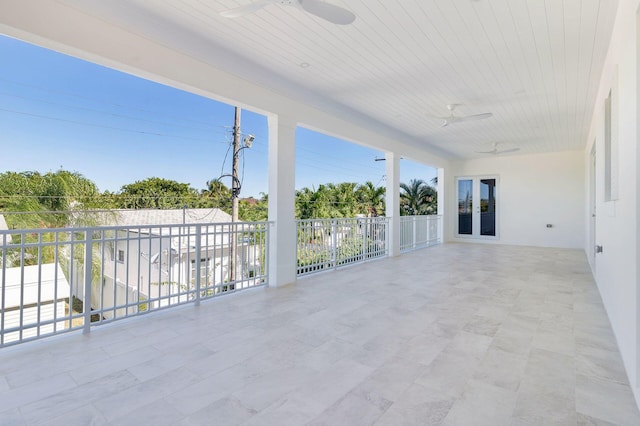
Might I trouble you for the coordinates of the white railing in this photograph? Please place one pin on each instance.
(58, 280)
(330, 243)
(419, 231)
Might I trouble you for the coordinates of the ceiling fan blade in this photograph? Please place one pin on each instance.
(444, 120)
(329, 12)
(248, 9)
(508, 150)
(475, 117)
(493, 151)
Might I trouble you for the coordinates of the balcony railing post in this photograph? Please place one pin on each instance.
(86, 303)
(414, 240)
(198, 261)
(363, 224)
(266, 241)
(334, 243)
(387, 237)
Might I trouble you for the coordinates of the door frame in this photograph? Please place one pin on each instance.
(476, 203)
(591, 251)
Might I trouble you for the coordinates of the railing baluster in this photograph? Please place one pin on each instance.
(198, 260)
(86, 305)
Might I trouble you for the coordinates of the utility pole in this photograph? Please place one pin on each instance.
(235, 192)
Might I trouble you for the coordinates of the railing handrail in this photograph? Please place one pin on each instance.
(419, 231)
(118, 271)
(329, 243)
(124, 227)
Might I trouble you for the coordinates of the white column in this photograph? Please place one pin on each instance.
(393, 201)
(283, 237)
(442, 200)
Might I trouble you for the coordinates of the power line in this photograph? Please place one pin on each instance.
(108, 113)
(103, 126)
(101, 101)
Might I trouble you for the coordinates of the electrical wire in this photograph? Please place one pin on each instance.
(107, 113)
(103, 126)
(100, 101)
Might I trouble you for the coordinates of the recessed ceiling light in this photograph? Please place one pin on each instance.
(304, 65)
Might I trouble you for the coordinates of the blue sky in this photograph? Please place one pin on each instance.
(60, 112)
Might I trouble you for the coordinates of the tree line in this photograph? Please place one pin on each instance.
(49, 199)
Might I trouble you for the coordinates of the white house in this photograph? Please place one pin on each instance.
(151, 256)
(3, 227)
(32, 295)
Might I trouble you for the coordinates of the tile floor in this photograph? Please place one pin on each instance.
(454, 335)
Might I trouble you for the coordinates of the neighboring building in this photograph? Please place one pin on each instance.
(3, 227)
(153, 257)
(33, 295)
(167, 217)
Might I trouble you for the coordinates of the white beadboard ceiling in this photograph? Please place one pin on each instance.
(535, 64)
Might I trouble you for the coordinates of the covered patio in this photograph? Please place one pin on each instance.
(483, 335)
(532, 318)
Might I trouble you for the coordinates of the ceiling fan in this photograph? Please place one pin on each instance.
(327, 11)
(452, 118)
(495, 150)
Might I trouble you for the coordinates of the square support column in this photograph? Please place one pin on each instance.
(282, 174)
(392, 195)
(442, 200)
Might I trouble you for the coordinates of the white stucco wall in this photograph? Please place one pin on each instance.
(533, 191)
(616, 268)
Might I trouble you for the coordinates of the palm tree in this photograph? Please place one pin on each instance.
(216, 195)
(371, 199)
(417, 198)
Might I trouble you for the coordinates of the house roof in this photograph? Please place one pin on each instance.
(26, 279)
(167, 217)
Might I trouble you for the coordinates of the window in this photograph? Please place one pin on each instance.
(611, 144)
(206, 274)
(121, 256)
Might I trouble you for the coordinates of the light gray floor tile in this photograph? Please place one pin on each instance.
(482, 404)
(225, 411)
(358, 407)
(86, 415)
(77, 397)
(11, 417)
(606, 400)
(418, 405)
(518, 336)
(501, 369)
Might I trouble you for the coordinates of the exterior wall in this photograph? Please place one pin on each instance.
(616, 268)
(136, 268)
(533, 191)
(27, 286)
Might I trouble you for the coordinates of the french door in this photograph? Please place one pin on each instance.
(477, 207)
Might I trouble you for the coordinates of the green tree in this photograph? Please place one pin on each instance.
(157, 193)
(417, 198)
(43, 196)
(371, 199)
(346, 199)
(313, 203)
(216, 195)
(252, 210)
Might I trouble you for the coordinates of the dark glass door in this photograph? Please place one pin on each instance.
(488, 207)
